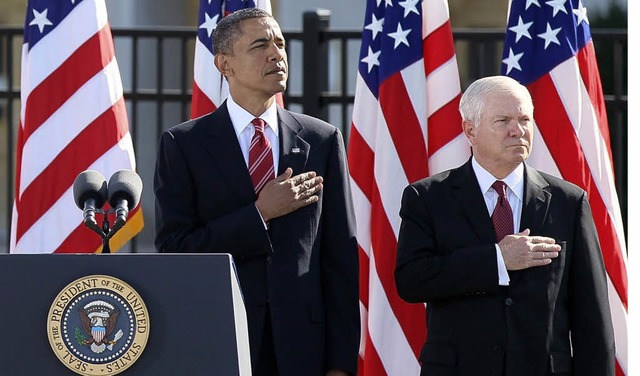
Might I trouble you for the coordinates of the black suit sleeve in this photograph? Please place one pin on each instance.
(591, 329)
(340, 263)
(181, 226)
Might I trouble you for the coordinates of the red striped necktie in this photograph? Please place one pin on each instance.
(260, 156)
(502, 216)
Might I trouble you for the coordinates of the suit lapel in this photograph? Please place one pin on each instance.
(466, 191)
(535, 206)
(222, 145)
(536, 201)
(294, 150)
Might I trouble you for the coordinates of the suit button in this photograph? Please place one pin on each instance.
(268, 259)
(508, 302)
(498, 348)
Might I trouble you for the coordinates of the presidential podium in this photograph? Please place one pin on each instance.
(128, 314)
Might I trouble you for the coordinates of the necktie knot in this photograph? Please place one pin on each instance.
(501, 188)
(258, 124)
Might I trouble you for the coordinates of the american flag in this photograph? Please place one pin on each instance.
(548, 48)
(405, 127)
(73, 118)
(210, 89)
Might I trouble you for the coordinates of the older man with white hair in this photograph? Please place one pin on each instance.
(506, 257)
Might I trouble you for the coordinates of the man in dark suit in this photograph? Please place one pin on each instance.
(292, 236)
(499, 302)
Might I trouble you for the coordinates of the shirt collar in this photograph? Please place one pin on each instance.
(515, 180)
(241, 118)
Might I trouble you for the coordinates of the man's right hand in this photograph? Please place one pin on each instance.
(521, 251)
(285, 194)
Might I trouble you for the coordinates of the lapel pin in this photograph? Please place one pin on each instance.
(295, 150)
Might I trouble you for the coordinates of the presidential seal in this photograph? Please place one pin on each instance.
(98, 325)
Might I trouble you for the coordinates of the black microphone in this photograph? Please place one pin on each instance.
(125, 188)
(90, 194)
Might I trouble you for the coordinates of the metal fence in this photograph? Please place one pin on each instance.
(157, 70)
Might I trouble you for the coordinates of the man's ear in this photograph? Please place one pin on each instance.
(222, 63)
(469, 130)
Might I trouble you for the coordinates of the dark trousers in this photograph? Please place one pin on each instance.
(266, 365)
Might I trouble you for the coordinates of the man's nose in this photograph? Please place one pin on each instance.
(517, 128)
(276, 53)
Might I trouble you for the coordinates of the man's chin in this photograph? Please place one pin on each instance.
(521, 151)
(520, 158)
(279, 88)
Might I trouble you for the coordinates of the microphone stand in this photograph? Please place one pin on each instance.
(106, 231)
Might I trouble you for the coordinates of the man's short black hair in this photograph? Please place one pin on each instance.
(229, 31)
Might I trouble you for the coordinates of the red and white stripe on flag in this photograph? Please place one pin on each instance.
(73, 118)
(405, 126)
(548, 48)
(210, 88)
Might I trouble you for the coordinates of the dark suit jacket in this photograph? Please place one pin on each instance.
(305, 265)
(550, 320)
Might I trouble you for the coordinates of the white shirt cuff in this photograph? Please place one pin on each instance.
(266, 225)
(503, 274)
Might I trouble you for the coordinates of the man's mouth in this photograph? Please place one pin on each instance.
(277, 70)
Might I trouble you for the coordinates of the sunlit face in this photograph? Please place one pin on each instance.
(503, 138)
(258, 66)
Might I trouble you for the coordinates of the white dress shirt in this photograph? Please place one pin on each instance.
(515, 195)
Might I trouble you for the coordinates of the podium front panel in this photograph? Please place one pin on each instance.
(194, 328)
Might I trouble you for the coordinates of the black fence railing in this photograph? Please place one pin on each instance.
(157, 70)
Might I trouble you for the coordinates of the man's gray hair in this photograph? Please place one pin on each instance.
(472, 102)
(229, 30)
